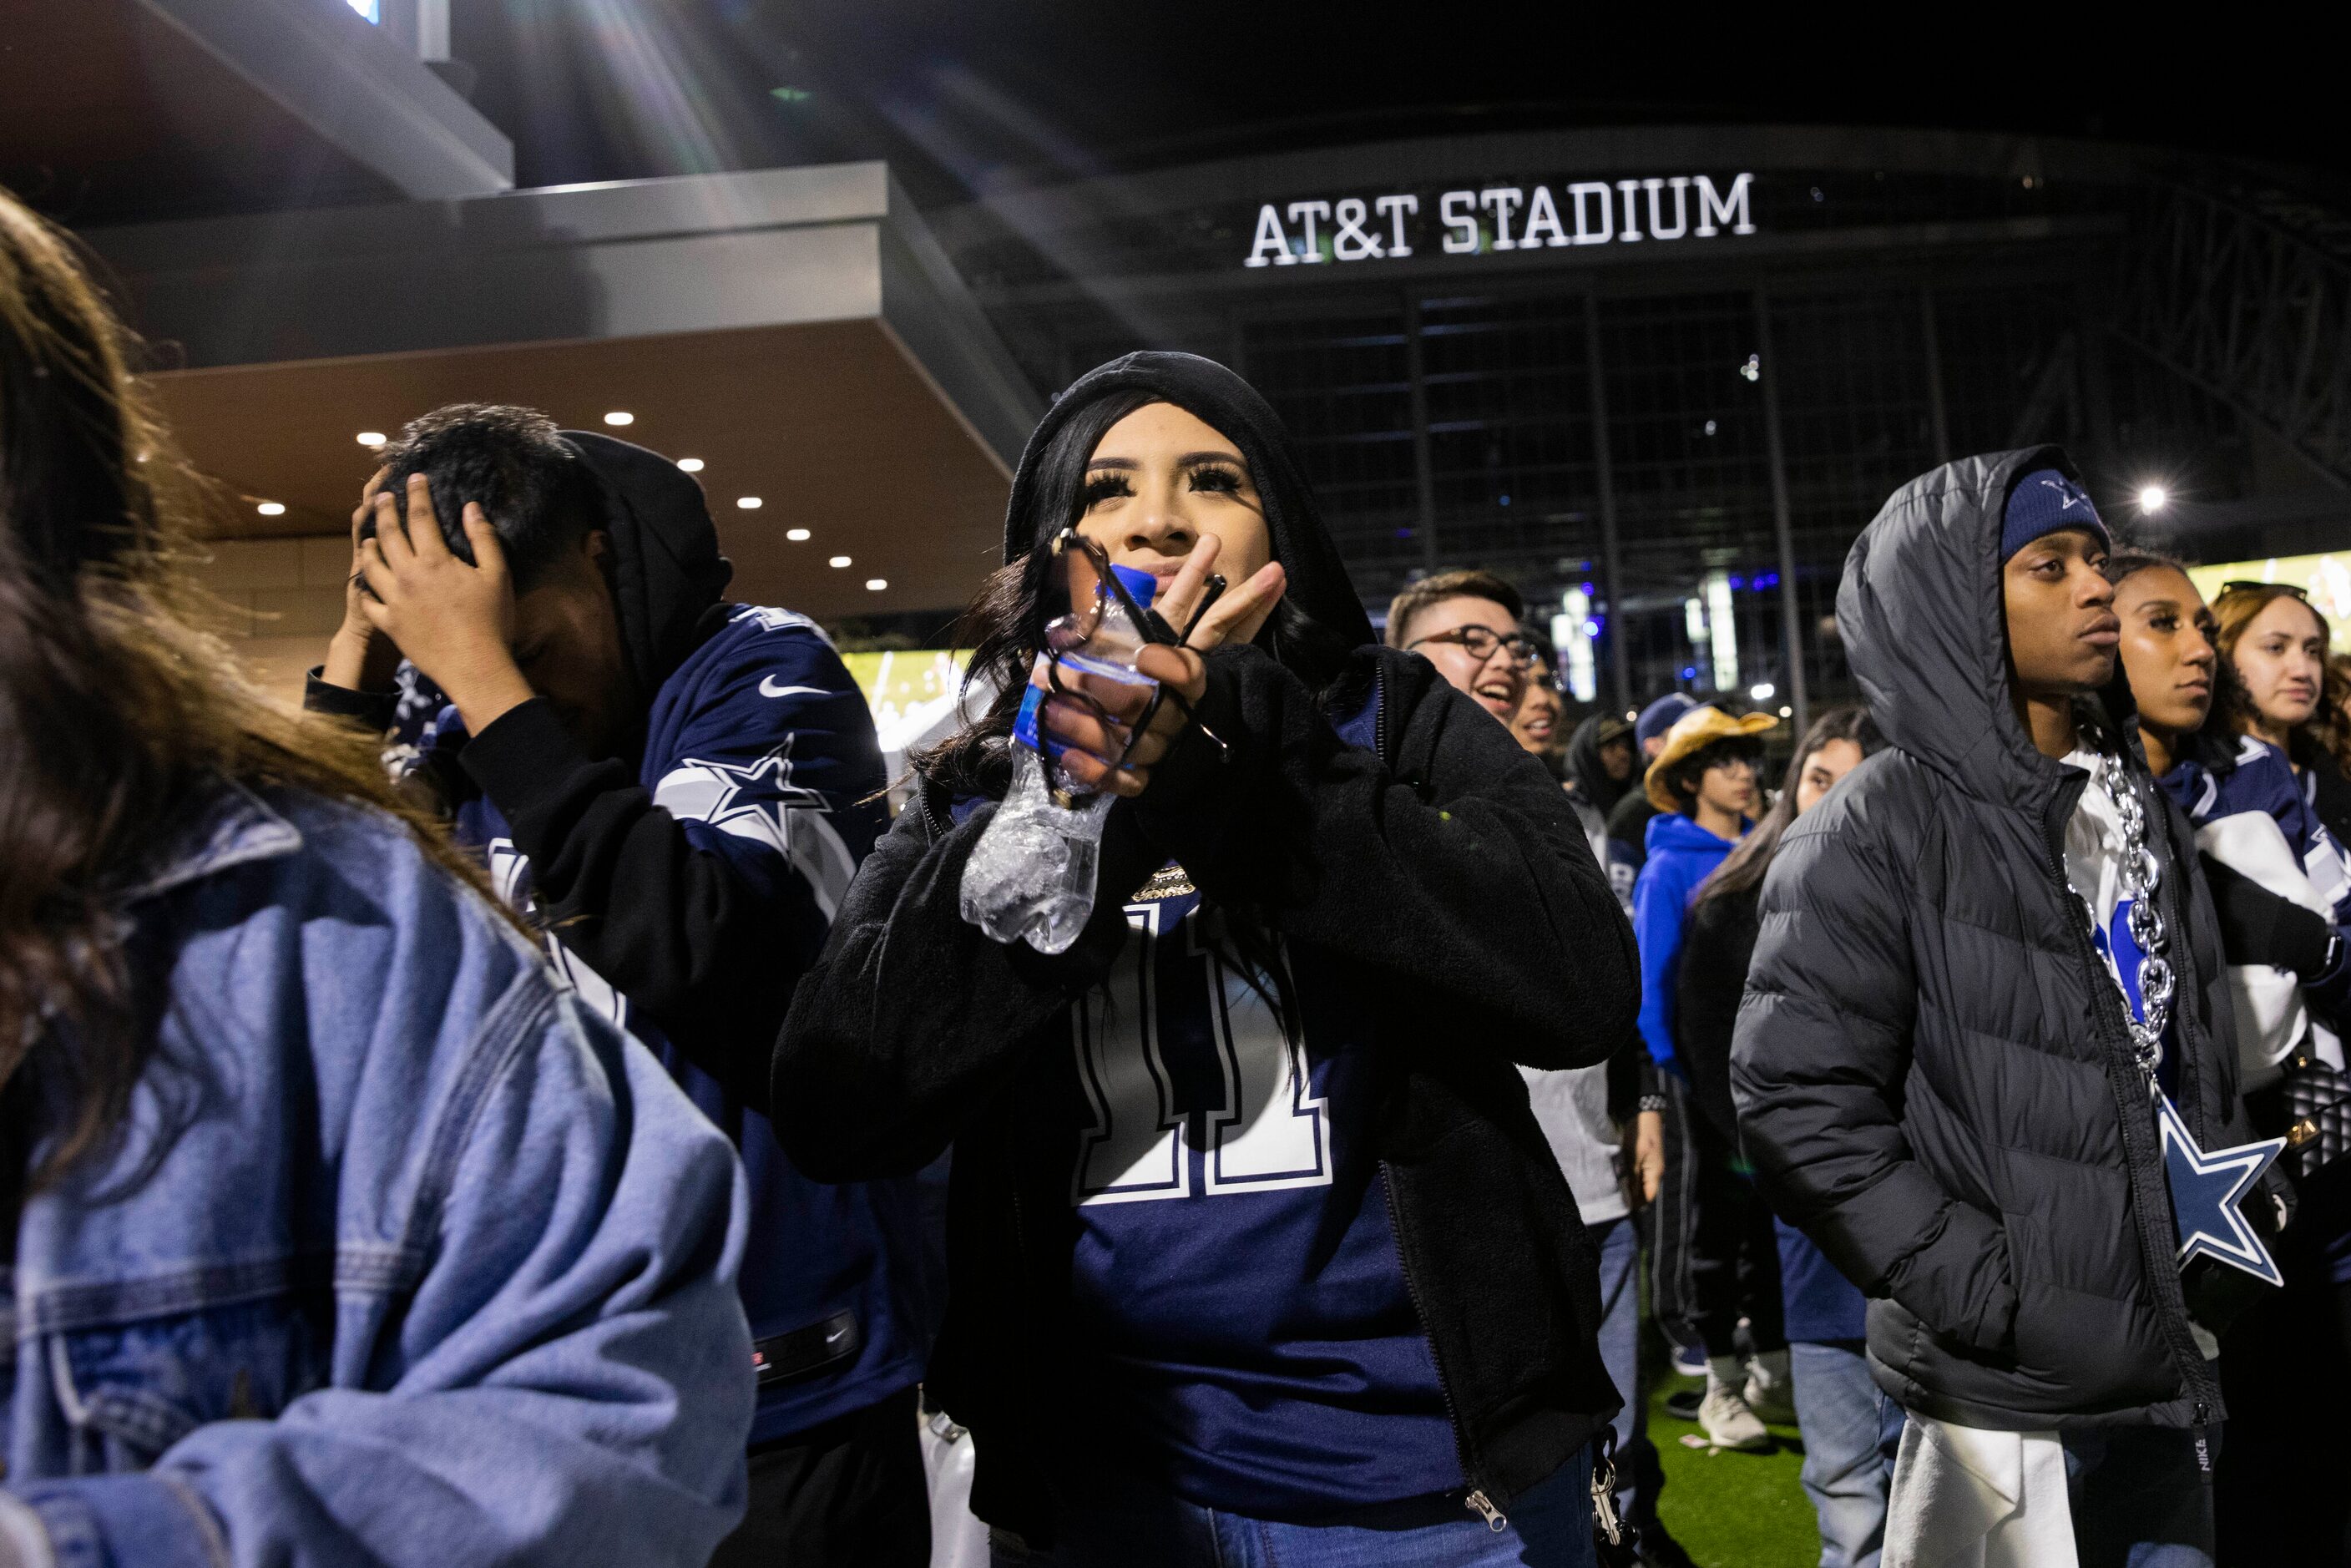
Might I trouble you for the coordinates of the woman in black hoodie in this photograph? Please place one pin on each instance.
(1255, 1246)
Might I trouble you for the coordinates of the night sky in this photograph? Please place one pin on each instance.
(972, 97)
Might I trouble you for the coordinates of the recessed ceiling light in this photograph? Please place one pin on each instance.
(271, 508)
(749, 503)
(838, 560)
(618, 418)
(372, 438)
(876, 584)
(691, 465)
(798, 536)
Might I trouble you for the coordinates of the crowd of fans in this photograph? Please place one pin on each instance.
(534, 1106)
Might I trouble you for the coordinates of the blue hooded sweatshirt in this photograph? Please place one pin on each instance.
(1681, 855)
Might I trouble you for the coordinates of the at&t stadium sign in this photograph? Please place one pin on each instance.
(1489, 218)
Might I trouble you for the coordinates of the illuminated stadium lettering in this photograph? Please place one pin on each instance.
(1486, 218)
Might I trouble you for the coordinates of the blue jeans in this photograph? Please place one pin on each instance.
(1126, 1524)
(1852, 1430)
(1638, 1474)
(2138, 1498)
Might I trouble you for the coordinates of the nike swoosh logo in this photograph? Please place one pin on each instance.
(768, 688)
(835, 1335)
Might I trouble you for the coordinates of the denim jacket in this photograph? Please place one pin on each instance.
(404, 1257)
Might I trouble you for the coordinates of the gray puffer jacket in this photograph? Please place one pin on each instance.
(1932, 1065)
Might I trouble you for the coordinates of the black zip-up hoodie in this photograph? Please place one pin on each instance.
(1445, 870)
(1932, 1065)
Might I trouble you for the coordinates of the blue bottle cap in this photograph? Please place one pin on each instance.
(1140, 583)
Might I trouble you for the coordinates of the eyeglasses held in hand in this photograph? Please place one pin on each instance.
(1083, 567)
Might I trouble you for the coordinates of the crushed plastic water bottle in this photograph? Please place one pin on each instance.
(1031, 875)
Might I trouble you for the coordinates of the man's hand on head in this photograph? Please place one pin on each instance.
(455, 620)
(359, 657)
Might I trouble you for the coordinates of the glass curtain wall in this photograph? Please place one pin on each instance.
(1466, 430)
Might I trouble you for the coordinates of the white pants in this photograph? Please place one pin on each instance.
(1965, 1498)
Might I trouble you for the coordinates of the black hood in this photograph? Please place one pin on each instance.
(1319, 583)
(1585, 770)
(666, 571)
(1920, 610)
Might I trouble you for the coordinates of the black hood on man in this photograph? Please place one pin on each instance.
(668, 575)
(1587, 772)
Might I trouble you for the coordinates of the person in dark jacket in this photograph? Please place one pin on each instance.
(680, 789)
(1941, 1074)
(1703, 785)
(2279, 885)
(1600, 761)
(1273, 1246)
(1841, 1414)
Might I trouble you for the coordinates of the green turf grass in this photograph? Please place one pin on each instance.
(1730, 1510)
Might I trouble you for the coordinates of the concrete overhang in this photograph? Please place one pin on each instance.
(149, 108)
(795, 329)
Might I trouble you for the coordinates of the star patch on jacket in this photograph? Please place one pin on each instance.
(2205, 1191)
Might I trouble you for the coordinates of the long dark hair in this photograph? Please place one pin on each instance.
(2317, 741)
(1744, 866)
(117, 713)
(1005, 624)
(2213, 745)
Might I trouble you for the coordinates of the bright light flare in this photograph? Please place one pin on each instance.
(619, 417)
(838, 561)
(2153, 498)
(373, 438)
(876, 584)
(798, 536)
(749, 503)
(1762, 692)
(690, 464)
(271, 508)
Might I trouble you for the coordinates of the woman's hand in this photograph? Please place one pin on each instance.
(1236, 617)
(360, 658)
(454, 621)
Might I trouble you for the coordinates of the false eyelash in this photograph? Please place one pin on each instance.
(1210, 476)
(1102, 489)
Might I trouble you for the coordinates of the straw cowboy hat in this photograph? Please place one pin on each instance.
(1694, 732)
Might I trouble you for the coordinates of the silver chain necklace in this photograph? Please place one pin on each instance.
(2141, 874)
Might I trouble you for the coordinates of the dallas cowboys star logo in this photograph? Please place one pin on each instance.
(2205, 1189)
(2069, 495)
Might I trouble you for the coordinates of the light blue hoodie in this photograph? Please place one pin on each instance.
(406, 1257)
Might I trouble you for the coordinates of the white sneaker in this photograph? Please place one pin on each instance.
(1769, 1392)
(1729, 1423)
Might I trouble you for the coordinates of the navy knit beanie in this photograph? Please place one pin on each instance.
(1661, 715)
(2043, 502)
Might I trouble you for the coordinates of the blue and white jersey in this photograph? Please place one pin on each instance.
(1244, 1319)
(761, 747)
(2258, 782)
(2254, 816)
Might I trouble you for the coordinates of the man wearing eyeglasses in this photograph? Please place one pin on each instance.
(1465, 623)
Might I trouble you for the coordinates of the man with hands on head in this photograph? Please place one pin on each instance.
(680, 789)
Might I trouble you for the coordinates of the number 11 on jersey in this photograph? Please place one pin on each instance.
(1268, 1128)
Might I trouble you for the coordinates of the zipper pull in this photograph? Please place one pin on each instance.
(1478, 1504)
(2203, 1449)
